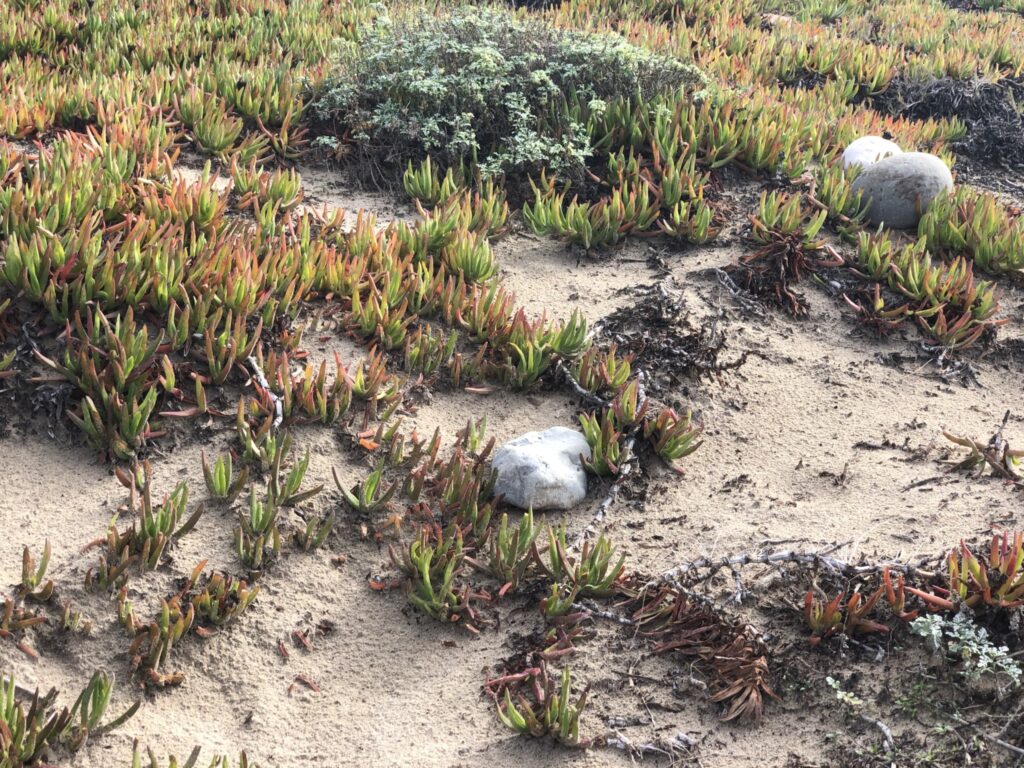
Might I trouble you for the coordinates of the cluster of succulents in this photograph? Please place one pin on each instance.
(158, 298)
(952, 308)
(230, 80)
(28, 735)
(216, 296)
(32, 726)
(460, 561)
(985, 585)
(109, 196)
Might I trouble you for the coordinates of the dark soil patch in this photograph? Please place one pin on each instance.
(995, 130)
(982, 6)
(534, 5)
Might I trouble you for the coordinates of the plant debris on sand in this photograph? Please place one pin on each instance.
(991, 112)
(656, 333)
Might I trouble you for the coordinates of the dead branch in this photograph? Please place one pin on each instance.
(578, 388)
(261, 379)
(682, 743)
(890, 745)
(592, 610)
(820, 559)
(1005, 745)
(739, 295)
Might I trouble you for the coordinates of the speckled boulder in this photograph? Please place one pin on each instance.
(543, 470)
(868, 150)
(901, 187)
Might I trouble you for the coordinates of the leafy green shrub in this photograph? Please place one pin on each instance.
(961, 638)
(484, 85)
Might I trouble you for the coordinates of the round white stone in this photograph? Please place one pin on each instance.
(901, 187)
(868, 150)
(543, 470)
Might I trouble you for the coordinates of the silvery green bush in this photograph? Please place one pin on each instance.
(963, 639)
(477, 84)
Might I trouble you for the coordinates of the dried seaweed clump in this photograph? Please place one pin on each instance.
(655, 333)
(994, 128)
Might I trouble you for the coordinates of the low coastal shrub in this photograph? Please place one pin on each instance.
(486, 87)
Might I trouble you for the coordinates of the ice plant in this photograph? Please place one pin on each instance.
(997, 581)
(155, 530)
(88, 710)
(315, 533)
(629, 407)
(284, 489)
(594, 573)
(693, 221)
(569, 339)
(510, 552)
(604, 441)
(672, 436)
(426, 185)
(370, 496)
(221, 481)
(432, 563)
(258, 537)
(32, 574)
(599, 371)
(553, 711)
(823, 618)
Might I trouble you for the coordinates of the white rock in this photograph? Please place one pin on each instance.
(868, 150)
(901, 187)
(543, 470)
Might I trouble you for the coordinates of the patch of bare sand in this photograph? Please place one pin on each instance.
(551, 277)
(327, 187)
(395, 689)
(322, 189)
(826, 435)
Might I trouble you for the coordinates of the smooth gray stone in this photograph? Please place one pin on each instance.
(543, 470)
(868, 150)
(900, 187)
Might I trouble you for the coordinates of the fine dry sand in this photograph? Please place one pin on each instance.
(825, 435)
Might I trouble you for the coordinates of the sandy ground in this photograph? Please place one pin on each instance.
(819, 438)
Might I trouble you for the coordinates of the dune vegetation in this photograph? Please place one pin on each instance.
(289, 398)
